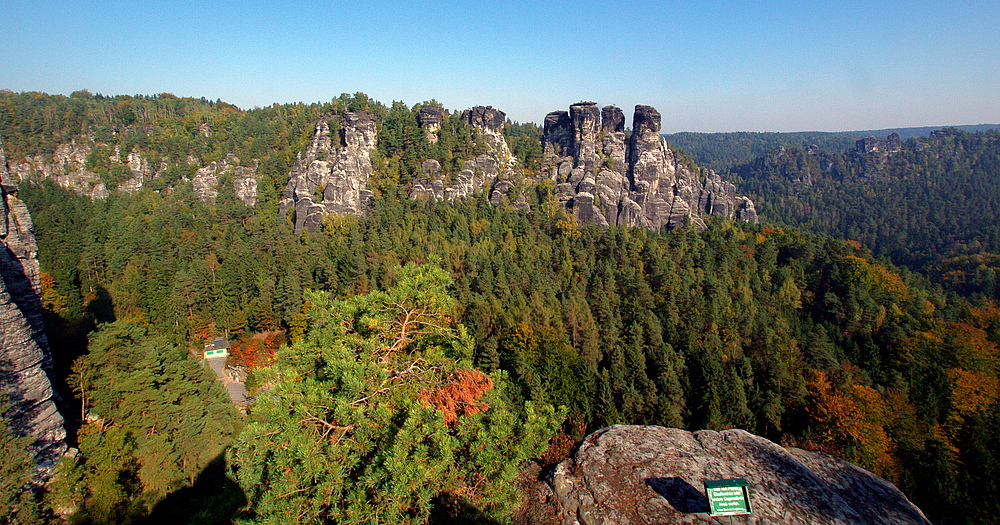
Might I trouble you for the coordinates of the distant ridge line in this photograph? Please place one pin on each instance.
(723, 150)
(903, 132)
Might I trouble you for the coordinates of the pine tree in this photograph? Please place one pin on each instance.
(373, 415)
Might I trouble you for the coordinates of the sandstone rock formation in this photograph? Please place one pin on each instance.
(138, 164)
(25, 361)
(870, 144)
(635, 475)
(67, 168)
(244, 180)
(430, 118)
(492, 169)
(490, 123)
(601, 177)
(331, 176)
(475, 174)
(604, 179)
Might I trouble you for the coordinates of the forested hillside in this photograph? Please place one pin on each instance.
(438, 345)
(795, 337)
(933, 204)
(722, 151)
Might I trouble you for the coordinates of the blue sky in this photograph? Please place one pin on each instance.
(707, 66)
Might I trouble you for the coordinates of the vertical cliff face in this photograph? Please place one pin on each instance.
(490, 123)
(244, 179)
(602, 177)
(24, 350)
(606, 180)
(331, 176)
(430, 119)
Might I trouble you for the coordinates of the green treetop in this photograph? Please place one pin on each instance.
(377, 413)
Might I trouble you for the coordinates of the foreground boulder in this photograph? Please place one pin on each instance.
(646, 474)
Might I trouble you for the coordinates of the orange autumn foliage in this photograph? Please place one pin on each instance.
(460, 395)
(258, 351)
(51, 299)
(851, 418)
(204, 332)
(985, 317)
(971, 391)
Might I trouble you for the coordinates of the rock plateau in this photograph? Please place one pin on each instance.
(647, 474)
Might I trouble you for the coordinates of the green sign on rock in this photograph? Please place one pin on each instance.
(728, 497)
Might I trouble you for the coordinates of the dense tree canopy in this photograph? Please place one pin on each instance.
(155, 421)
(378, 412)
(934, 205)
(764, 328)
(428, 341)
(723, 151)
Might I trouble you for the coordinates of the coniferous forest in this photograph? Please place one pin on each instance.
(406, 365)
(932, 205)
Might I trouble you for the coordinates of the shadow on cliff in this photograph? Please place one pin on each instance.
(26, 351)
(682, 495)
(214, 498)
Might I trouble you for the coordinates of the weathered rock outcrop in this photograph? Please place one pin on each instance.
(244, 180)
(67, 167)
(24, 349)
(636, 475)
(476, 173)
(430, 119)
(331, 176)
(870, 144)
(490, 123)
(604, 179)
(491, 169)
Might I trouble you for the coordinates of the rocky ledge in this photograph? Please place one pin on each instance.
(647, 474)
